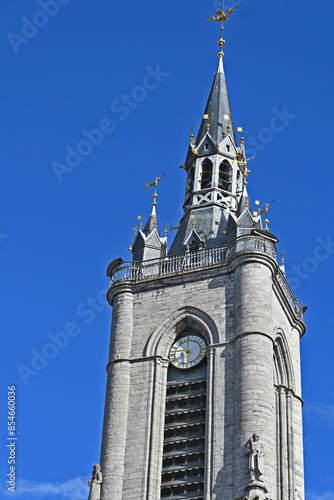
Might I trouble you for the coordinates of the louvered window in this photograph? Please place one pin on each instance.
(190, 181)
(184, 438)
(206, 180)
(224, 180)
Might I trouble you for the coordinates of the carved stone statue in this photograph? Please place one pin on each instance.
(95, 483)
(255, 453)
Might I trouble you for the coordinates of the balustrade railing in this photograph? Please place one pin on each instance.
(294, 303)
(204, 258)
(188, 261)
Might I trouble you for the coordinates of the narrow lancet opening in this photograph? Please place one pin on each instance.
(190, 182)
(206, 178)
(225, 176)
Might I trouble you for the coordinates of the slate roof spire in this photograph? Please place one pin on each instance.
(152, 221)
(218, 112)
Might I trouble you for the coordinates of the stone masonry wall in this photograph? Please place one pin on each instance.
(237, 311)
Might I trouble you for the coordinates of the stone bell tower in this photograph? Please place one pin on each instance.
(203, 397)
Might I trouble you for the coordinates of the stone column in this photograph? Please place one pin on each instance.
(215, 170)
(283, 444)
(157, 415)
(210, 391)
(117, 397)
(254, 395)
(290, 445)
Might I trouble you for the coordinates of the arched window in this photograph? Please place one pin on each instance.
(239, 185)
(206, 180)
(185, 419)
(285, 404)
(225, 176)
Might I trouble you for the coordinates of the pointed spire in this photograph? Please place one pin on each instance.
(244, 202)
(220, 68)
(152, 222)
(218, 112)
(218, 116)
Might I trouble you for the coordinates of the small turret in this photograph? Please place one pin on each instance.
(147, 243)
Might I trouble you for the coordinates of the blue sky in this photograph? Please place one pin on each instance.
(60, 226)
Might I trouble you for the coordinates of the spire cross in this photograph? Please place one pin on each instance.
(222, 16)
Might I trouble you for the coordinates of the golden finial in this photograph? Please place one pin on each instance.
(134, 230)
(192, 138)
(222, 16)
(166, 230)
(208, 127)
(282, 257)
(140, 223)
(243, 162)
(264, 211)
(183, 167)
(155, 183)
(217, 147)
(245, 175)
(155, 196)
(266, 223)
(193, 219)
(229, 128)
(241, 130)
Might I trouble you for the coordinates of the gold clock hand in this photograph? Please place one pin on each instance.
(187, 353)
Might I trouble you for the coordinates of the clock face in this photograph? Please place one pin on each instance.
(187, 352)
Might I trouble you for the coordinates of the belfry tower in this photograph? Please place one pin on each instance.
(203, 397)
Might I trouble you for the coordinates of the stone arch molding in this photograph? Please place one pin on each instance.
(164, 335)
(284, 374)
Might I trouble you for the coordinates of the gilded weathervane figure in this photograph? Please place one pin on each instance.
(222, 16)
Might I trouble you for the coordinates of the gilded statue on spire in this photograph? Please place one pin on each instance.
(222, 16)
